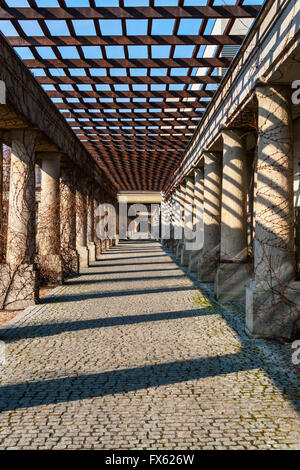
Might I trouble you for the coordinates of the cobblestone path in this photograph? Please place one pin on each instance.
(132, 355)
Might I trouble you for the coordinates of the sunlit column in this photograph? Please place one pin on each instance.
(198, 201)
(91, 223)
(188, 219)
(49, 259)
(69, 253)
(19, 287)
(211, 216)
(181, 200)
(234, 197)
(270, 307)
(1, 204)
(233, 273)
(81, 223)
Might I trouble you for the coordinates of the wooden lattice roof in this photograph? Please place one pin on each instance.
(132, 77)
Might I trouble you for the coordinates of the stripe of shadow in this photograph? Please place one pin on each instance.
(45, 392)
(94, 273)
(51, 329)
(99, 295)
(78, 281)
(141, 256)
(106, 263)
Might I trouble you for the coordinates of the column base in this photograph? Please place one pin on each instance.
(70, 260)
(92, 251)
(83, 256)
(185, 256)
(173, 245)
(107, 243)
(273, 314)
(50, 268)
(178, 249)
(103, 246)
(207, 267)
(194, 258)
(19, 286)
(98, 248)
(115, 241)
(231, 281)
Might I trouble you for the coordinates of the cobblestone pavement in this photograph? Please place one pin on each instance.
(132, 355)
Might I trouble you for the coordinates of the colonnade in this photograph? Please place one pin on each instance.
(263, 273)
(48, 245)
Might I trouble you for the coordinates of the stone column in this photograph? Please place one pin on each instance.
(69, 253)
(181, 200)
(272, 296)
(19, 284)
(116, 239)
(198, 226)
(211, 216)
(91, 224)
(97, 241)
(49, 260)
(81, 223)
(233, 272)
(188, 218)
(173, 221)
(165, 219)
(110, 242)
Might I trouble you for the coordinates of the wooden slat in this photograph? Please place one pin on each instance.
(228, 11)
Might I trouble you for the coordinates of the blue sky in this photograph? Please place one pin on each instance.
(133, 27)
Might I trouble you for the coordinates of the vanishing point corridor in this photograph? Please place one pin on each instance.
(133, 355)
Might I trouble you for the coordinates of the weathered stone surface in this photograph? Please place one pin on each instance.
(70, 260)
(84, 256)
(18, 286)
(194, 259)
(69, 254)
(272, 314)
(212, 217)
(21, 215)
(185, 256)
(231, 281)
(268, 314)
(233, 245)
(92, 251)
(50, 269)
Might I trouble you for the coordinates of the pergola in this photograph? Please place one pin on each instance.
(133, 78)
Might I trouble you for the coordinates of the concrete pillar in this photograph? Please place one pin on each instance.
(110, 218)
(97, 240)
(91, 224)
(19, 285)
(116, 239)
(272, 296)
(181, 200)
(165, 221)
(188, 218)
(69, 253)
(49, 259)
(233, 272)
(212, 216)
(198, 226)
(176, 219)
(81, 223)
